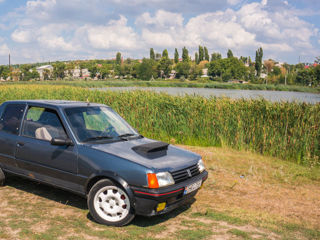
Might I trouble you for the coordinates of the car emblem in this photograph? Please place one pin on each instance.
(189, 173)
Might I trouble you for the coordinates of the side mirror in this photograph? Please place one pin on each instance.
(61, 142)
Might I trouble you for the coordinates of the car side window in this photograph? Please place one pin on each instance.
(10, 120)
(43, 124)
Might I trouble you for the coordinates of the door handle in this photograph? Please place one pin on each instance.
(20, 144)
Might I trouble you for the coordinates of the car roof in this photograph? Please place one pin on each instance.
(56, 103)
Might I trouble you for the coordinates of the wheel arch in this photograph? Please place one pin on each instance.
(113, 177)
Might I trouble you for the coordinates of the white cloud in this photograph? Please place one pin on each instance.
(4, 50)
(40, 9)
(162, 19)
(115, 35)
(62, 29)
(219, 30)
(21, 36)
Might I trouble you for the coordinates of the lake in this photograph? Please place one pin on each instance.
(274, 96)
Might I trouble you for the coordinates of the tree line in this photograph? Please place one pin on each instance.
(203, 66)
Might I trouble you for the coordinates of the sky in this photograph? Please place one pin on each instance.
(51, 30)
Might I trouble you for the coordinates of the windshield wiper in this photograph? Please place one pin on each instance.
(97, 138)
(127, 135)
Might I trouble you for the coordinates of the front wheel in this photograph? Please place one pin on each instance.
(109, 204)
(2, 177)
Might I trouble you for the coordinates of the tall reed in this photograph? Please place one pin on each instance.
(286, 130)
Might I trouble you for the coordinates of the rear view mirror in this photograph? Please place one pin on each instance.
(61, 142)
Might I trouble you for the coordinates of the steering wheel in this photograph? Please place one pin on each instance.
(109, 130)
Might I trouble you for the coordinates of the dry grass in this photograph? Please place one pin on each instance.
(247, 196)
(266, 188)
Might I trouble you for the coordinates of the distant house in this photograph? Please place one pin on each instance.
(204, 73)
(41, 70)
(263, 75)
(75, 72)
(85, 73)
(172, 75)
(279, 64)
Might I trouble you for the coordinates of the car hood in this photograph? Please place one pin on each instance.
(173, 159)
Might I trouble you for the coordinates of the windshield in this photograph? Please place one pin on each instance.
(98, 123)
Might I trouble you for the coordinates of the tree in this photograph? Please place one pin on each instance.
(46, 74)
(269, 64)
(305, 77)
(317, 60)
(118, 58)
(183, 69)
(165, 53)
(176, 56)
(196, 58)
(4, 72)
(215, 56)
(316, 72)
(276, 71)
(185, 55)
(228, 68)
(229, 53)
(152, 54)
(164, 66)
(147, 69)
(258, 61)
(206, 54)
(158, 56)
(93, 70)
(195, 71)
(58, 70)
(201, 54)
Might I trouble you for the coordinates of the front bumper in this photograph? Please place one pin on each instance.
(146, 200)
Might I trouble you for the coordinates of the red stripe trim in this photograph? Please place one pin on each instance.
(159, 194)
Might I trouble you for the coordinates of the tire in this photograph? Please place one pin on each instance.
(109, 204)
(2, 177)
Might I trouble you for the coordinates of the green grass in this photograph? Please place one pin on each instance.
(173, 83)
(287, 130)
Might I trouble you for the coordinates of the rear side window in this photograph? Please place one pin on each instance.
(10, 120)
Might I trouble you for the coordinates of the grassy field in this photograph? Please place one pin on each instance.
(286, 130)
(175, 83)
(247, 196)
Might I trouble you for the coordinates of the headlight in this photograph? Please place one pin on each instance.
(201, 166)
(162, 179)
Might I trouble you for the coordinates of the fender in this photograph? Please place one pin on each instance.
(114, 177)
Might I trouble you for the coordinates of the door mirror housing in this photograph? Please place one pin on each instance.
(61, 142)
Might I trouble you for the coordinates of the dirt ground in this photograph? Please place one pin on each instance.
(247, 196)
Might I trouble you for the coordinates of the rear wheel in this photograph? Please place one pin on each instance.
(109, 204)
(2, 177)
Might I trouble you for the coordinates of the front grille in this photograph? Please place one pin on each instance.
(182, 175)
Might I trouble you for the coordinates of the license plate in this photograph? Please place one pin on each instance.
(192, 187)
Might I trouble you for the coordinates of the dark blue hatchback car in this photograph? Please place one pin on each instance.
(90, 150)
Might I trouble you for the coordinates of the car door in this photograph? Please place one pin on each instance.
(38, 157)
(10, 122)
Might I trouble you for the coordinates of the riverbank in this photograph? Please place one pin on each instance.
(247, 196)
(185, 84)
(286, 130)
(273, 96)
